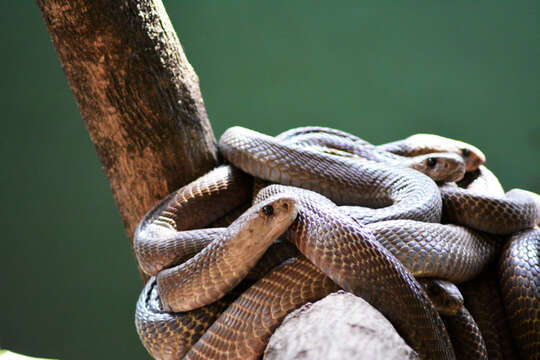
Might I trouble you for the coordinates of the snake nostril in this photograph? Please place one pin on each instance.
(268, 210)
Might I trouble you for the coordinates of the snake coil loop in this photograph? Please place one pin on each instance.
(361, 217)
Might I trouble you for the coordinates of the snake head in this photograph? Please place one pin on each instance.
(473, 157)
(263, 223)
(445, 296)
(428, 143)
(278, 210)
(446, 167)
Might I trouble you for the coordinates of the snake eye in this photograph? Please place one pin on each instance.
(431, 162)
(268, 210)
(465, 152)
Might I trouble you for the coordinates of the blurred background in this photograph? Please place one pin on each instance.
(380, 69)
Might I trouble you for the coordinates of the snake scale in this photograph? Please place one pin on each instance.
(361, 217)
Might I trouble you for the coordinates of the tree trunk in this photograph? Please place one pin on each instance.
(138, 95)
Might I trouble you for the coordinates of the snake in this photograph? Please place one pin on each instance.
(418, 144)
(519, 274)
(428, 143)
(477, 207)
(483, 299)
(483, 294)
(467, 339)
(444, 167)
(388, 189)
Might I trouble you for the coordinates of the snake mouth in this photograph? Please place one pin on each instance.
(474, 159)
(456, 175)
(474, 162)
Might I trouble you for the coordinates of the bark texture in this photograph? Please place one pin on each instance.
(138, 95)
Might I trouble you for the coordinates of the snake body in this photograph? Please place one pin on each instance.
(520, 283)
(161, 239)
(439, 167)
(397, 192)
(347, 253)
(193, 283)
(167, 335)
(419, 144)
(317, 230)
(466, 337)
(415, 244)
(497, 215)
(483, 300)
(260, 309)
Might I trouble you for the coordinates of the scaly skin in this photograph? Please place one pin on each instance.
(484, 302)
(169, 221)
(414, 145)
(443, 167)
(159, 241)
(466, 336)
(348, 254)
(452, 252)
(243, 330)
(516, 211)
(519, 271)
(167, 335)
(194, 283)
(404, 193)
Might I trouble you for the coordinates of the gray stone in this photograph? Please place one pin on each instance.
(340, 326)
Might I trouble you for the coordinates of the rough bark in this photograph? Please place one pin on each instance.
(138, 95)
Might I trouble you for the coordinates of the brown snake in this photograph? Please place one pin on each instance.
(520, 284)
(349, 264)
(483, 300)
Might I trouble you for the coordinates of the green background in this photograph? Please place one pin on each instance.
(380, 69)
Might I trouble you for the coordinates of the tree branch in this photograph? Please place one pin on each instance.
(138, 95)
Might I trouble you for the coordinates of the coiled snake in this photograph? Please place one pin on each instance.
(360, 223)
